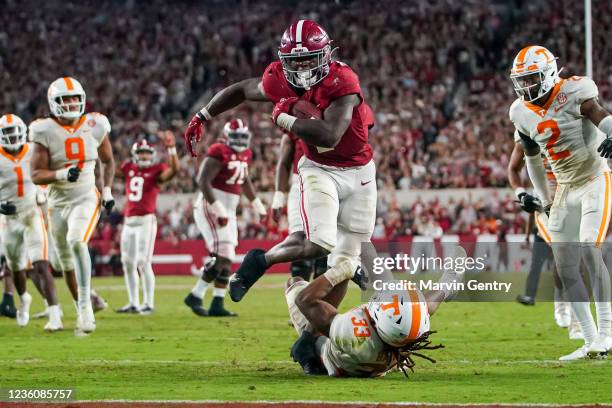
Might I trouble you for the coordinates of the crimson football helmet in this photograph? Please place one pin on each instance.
(238, 135)
(142, 146)
(305, 52)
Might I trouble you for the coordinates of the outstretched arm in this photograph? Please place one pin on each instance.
(310, 302)
(173, 160)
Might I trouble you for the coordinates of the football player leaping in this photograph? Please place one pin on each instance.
(222, 175)
(562, 118)
(143, 178)
(24, 235)
(66, 148)
(337, 174)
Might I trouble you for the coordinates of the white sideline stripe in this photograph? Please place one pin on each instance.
(278, 362)
(178, 286)
(347, 403)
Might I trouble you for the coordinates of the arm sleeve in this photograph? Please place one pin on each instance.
(528, 143)
(537, 175)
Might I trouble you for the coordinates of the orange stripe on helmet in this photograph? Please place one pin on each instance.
(520, 59)
(415, 325)
(69, 83)
(9, 118)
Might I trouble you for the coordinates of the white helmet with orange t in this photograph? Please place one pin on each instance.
(399, 318)
(534, 72)
(13, 132)
(59, 91)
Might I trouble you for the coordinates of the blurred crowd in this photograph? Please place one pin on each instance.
(435, 73)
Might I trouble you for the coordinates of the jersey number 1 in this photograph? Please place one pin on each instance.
(19, 173)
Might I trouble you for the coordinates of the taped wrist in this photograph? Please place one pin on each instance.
(285, 121)
(606, 125)
(344, 270)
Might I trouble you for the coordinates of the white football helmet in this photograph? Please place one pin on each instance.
(13, 132)
(399, 318)
(62, 88)
(534, 72)
(142, 146)
(238, 135)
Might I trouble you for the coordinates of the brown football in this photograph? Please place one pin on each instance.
(305, 110)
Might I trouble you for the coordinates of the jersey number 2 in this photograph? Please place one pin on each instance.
(136, 187)
(554, 137)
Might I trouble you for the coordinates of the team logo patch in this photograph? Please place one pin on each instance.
(233, 157)
(131, 173)
(561, 98)
(91, 122)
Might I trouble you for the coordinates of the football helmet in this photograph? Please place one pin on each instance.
(59, 90)
(399, 318)
(305, 52)
(238, 135)
(13, 132)
(142, 146)
(534, 72)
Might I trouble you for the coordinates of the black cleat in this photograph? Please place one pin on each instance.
(251, 269)
(217, 308)
(525, 300)
(146, 310)
(128, 309)
(7, 307)
(303, 352)
(195, 304)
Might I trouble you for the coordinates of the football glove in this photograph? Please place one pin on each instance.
(260, 210)
(605, 148)
(283, 106)
(108, 202)
(70, 174)
(194, 132)
(279, 201)
(529, 202)
(8, 208)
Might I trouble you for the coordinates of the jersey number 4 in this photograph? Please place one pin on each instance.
(240, 170)
(136, 187)
(554, 138)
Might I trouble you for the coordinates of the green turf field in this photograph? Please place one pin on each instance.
(501, 352)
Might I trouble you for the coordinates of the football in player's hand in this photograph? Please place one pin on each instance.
(305, 110)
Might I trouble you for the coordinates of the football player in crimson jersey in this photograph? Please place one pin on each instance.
(222, 176)
(337, 174)
(143, 178)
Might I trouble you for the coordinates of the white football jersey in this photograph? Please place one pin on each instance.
(568, 139)
(15, 182)
(354, 348)
(68, 146)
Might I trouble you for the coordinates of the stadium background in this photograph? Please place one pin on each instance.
(434, 72)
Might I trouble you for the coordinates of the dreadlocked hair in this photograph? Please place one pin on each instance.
(403, 355)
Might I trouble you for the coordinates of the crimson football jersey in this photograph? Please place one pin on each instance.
(141, 188)
(234, 167)
(298, 151)
(353, 148)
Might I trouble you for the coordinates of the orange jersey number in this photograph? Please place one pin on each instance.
(361, 327)
(19, 173)
(75, 150)
(550, 145)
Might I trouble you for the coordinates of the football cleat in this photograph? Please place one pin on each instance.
(218, 310)
(128, 309)
(304, 353)
(563, 315)
(86, 322)
(23, 313)
(525, 300)
(585, 352)
(55, 319)
(601, 346)
(7, 307)
(195, 304)
(575, 331)
(146, 310)
(249, 272)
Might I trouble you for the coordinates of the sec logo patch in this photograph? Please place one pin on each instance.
(561, 98)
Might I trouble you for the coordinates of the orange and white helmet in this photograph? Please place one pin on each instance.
(13, 132)
(62, 88)
(534, 72)
(238, 135)
(399, 317)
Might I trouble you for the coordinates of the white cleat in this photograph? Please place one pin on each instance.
(23, 313)
(563, 315)
(86, 322)
(594, 350)
(55, 319)
(575, 332)
(580, 354)
(601, 346)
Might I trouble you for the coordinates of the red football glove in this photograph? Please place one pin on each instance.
(193, 134)
(283, 106)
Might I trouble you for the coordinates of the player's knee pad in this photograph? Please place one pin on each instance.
(211, 270)
(301, 269)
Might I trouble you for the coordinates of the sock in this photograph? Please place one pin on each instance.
(600, 282)
(8, 299)
(219, 292)
(148, 287)
(199, 290)
(82, 267)
(131, 283)
(584, 317)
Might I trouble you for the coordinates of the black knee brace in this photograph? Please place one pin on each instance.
(211, 271)
(301, 269)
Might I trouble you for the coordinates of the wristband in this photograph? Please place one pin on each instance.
(62, 175)
(258, 206)
(204, 114)
(172, 151)
(605, 125)
(107, 194)
(285, 121)
(342, 271)
(519, 191)
(279, 200)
